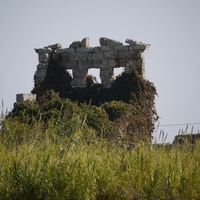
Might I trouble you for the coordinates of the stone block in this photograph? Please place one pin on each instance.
(125, 54)
(138, 62)
(55, 46)
(137, 44)
(25, 97)
(70, 64)
(78, 56)
(111, 63)
(106, 48)
(133, 42)
(42, 66)
(79, 82)
(107, 77)
(137, 47)
(96, 49)
(44, 50)
(110, 54)
(85, 42)
(66, 50)
(84, 49)
(80, 72)
(130, 63)
(43, 57)
(75, 44)
(122, 62)
(65, 57)
(97, 64)
(40, 76)
(85, 64)
(109, 42)
(137, 55)
(121, 48)
(95, 55)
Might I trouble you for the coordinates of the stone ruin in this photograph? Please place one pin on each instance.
(186, 139)
(80, 57)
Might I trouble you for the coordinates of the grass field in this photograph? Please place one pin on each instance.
(40, 164)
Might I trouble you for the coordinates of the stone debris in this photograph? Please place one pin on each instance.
(55, 46)
(109, 42)
(136, 43)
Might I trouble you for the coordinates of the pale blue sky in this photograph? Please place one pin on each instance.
(172, 27)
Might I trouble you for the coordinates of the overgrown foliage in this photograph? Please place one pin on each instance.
(79, 147)
(57, 79)
(127, 109)
(42, 164)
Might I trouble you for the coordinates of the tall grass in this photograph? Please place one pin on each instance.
(38, 164)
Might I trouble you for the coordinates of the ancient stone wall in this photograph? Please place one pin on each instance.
(80, 57)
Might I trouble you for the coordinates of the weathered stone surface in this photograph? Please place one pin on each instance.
(85, 42)
(43, 57)
(107, 76)
(137, 43)
(66, 50)
(133, 42)
(85, 64)
(80, 57)
(75, 44)
(112, 63)
(109, 42)
(25, 97)
(70, 64)
(36, 50)
(110, 54)
(129, 66)
(121, 48)
(137, 55)
(95, 56)
(97, 64)
(85, 49)
(126, 54)
(138, 47)
(44, 50)
(79, 77)
(122, 62)
(96, 49)
(55, 46)
(42, 66)
(106, 48)
(40, 76)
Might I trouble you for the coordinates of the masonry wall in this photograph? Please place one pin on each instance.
(80, 57)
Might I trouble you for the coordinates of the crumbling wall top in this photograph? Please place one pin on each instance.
(80, 57)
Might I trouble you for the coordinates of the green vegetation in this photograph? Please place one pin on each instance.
(124, 112)
(59, 149)
(74, 143)
(42, 163)
(57, 79)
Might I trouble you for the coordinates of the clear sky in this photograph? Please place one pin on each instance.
(172, 27)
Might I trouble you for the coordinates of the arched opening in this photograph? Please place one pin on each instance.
(118, 71)
(96, 73)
